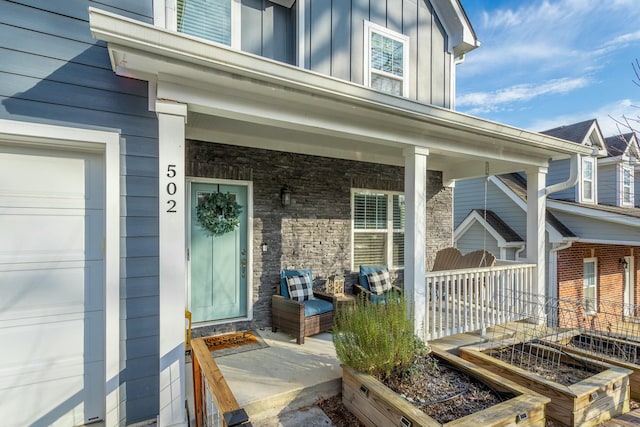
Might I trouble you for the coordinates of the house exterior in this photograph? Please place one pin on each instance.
(332, 124)
(592, 226)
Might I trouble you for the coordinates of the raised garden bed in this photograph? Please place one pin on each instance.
(615, 351)
(377, 405)
(582, 397)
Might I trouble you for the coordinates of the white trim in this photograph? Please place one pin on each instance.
(301, 33)
(369, 29)
(236, 24)
(473, 217)
(629, 290)
(593, 213)
(609, 242)
(159, 13)
(187, 286)
(596, 285)
(107, 142)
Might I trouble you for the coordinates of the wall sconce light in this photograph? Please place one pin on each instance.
(285, 196)
(264, 247)
(624, 263)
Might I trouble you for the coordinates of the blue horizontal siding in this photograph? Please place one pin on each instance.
(53, 71)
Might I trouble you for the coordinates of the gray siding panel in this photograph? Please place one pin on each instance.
(53, 71)
(559, 172)
(475, 239)
(335, 42)
(341, 40)
(597, 229)
(608, 185)
(268, 30)
(320, 40)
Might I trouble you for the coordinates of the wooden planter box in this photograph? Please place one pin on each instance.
(565, 338)
(585, 404)
(376, 405)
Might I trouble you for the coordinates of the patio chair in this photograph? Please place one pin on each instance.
(374, 284)
(299, 310)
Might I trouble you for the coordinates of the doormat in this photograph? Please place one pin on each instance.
(224, 345)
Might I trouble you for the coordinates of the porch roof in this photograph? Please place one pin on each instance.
(238, 98)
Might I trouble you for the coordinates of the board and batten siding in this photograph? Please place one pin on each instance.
(269, 30)
(52, 71)
(334, 42)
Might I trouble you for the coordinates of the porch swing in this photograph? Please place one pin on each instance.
(452, 259)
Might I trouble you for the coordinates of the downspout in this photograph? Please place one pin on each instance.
(516, 255)
(553, 266)
(573, 177)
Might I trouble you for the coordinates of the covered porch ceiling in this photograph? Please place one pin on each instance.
(242, 99)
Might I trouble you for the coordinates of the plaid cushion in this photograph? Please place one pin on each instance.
(379, 281)
(300, 288)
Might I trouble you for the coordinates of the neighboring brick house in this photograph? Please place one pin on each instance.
(592, 226)
(331, 123)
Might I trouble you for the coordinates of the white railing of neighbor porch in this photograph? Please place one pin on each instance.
(467, 300)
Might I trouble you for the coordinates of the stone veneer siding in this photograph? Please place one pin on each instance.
(315, 230)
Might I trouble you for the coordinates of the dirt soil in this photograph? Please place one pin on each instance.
(341, 417)
(442, 392)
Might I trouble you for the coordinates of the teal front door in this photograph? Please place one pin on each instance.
(218, 263)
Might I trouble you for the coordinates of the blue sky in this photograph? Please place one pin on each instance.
(545, 63)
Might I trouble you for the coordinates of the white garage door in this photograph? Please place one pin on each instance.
(51, 287)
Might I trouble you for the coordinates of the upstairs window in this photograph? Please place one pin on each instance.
(378, 228)
(212, 20)
(588, 180)
(386, 58)
(627, 186)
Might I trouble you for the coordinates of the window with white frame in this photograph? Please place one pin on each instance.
(590, 284)
(386, 57)
(209, 19)
(378, 228)
(627, 186)
(588, 179)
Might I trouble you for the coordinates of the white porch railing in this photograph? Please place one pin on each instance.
(467, 300)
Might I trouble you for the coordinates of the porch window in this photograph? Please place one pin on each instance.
(590, 285)
(627, 186)
(378, 228)
(213, 20)
(386, 58)
(588, 180)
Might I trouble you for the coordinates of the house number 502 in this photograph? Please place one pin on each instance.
(172, 188)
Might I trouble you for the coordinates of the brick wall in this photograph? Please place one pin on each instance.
(610, 273)
(315, 230)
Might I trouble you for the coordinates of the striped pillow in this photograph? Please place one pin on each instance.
(300, 288)
(379, 281)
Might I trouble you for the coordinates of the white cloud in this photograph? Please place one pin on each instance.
(605, 116)
(484, 102)
(547, 35)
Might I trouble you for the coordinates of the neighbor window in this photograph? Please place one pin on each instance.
(209, 19)
(590, 285)
(627, 186)
(588, 179)
(378, 228)
(386, 60)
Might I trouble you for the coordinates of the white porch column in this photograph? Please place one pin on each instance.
(536, 220)
(172, 235)
(415, 234)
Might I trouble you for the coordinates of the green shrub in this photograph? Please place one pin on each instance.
(377, 339)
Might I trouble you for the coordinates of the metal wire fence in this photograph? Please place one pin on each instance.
(567, 339)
